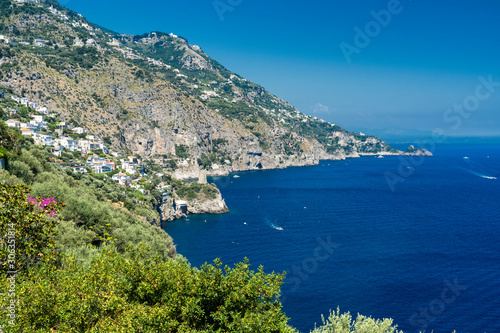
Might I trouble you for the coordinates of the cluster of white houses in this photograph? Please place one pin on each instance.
(66, 143)
(27, 128)
(76, 22)
(59, 144)
(32, 127)
(26, 102)
(85, 146)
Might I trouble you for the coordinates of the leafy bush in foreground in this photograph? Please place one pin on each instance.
(343, 323)
(133, 292)
(27, 226)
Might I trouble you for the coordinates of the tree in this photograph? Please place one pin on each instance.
(181, 151)
(343, 323)
(134, 292)
(10, 138)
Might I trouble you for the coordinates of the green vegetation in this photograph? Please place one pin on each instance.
(10, 138)
(94, 213)
(30, 225)
(343, 323)
(192, 190)
(65, 58)
(5, 10)
(181, 151)
(134, 292)
(206, 161)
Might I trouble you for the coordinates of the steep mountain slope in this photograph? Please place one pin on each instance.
(157, 96)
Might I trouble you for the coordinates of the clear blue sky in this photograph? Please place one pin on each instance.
(417, 64)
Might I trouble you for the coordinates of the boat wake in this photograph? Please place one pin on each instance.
(481, 175)
(478, 169)
(274, 225)
(488, 177)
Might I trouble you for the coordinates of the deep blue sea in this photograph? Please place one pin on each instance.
(425, 252)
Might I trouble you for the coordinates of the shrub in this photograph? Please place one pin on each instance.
(30, 225)
(134, 292)
(181, 151)
(343, 323)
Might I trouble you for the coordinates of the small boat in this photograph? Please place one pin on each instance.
(236, 176)
(380, 156)
(466, 157)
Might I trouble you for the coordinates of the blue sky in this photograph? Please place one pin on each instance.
(403, 74)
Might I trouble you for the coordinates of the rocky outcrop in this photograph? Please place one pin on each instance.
(169, 211)
(412, 151)
(208, 206)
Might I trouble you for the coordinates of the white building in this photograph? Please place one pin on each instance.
(38, 119)
(84, 145)
(24, 101)
(42, 109)
(79, 130)
(34, 124)
(80, 169)
(67, 143)
(13, 123)
(27, 131)
(121, 178)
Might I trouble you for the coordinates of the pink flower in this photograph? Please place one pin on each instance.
(43, 204)
(32, 200)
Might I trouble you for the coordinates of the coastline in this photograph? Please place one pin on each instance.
(170, 212)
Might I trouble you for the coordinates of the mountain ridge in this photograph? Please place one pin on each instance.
(157, 96)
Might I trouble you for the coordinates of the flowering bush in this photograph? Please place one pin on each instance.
(43, 204)
(27, 228)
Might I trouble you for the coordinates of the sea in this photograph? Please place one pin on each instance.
(416, 239)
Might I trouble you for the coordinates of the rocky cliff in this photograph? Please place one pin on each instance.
(171, 211)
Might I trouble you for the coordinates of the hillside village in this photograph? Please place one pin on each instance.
(73, 147)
